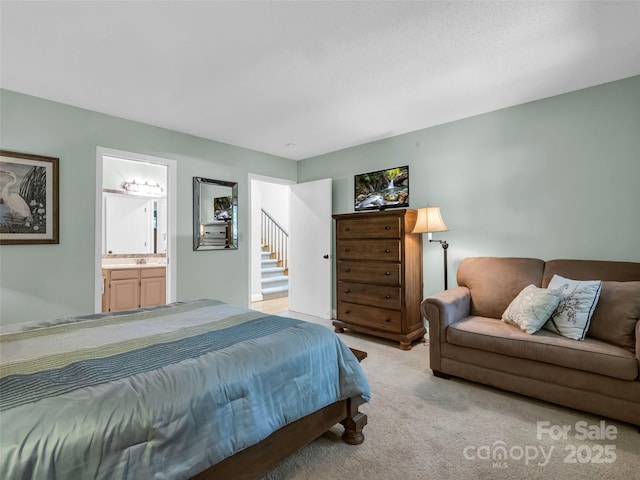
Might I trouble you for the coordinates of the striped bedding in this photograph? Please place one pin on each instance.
(161, 393)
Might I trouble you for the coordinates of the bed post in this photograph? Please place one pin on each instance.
(354, 422)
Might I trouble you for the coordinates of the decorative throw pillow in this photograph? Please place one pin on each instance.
(616, 315)
(531, 308)
(577, 304)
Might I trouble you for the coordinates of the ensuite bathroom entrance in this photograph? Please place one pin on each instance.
(135, 234)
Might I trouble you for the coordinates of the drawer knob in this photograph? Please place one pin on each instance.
(347, 270)
(387, 297)
(387, 227)
(347, 311)
(347, 250)
(347, 291)
(387, 273)
(387, 250)
(387, 319)
(347, 229)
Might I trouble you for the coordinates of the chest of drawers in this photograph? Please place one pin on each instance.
(379, 275)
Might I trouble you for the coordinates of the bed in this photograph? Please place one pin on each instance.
(199, 389)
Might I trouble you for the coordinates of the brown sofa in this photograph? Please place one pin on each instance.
(599, 374)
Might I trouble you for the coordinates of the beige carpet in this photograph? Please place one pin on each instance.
(422, 427)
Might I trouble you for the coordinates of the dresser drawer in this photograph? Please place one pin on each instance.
(372, 317)
(385, 250)
(373, 295)
(378, 272)
(382, 227)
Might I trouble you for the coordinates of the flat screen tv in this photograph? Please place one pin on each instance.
(382, 189)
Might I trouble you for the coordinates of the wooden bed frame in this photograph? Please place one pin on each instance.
(258, 459)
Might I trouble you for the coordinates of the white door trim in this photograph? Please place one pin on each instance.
(172, 208)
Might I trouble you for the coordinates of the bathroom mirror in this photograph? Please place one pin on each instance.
(215, 214)
(133, 224)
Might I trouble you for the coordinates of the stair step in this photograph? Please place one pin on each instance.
(272, 272)
(281, 288)
(275, 292)
(275, 281)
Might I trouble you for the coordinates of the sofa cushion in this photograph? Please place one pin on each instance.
(532, 308)
(591, 270)
(544, 373)
(494, 282)
(577, 303)
(618, 311)
(590, 355)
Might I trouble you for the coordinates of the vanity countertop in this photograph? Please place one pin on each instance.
(123, 266)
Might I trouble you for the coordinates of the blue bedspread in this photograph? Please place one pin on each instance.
(160, 393)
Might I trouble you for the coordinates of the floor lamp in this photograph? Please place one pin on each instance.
(429, 221)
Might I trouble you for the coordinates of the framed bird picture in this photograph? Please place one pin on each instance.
(29, 199)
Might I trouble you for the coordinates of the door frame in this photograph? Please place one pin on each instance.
(172, 208)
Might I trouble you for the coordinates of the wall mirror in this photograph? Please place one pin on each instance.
(133, 224)
(215, 214)
(134, 207)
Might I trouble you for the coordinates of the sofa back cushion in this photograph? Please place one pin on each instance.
(616, 314)
(591, 270)
(494, 282)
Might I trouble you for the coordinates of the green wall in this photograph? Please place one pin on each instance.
(555, 178)
(39, 282)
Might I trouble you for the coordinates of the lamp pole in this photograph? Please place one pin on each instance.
(445, 246)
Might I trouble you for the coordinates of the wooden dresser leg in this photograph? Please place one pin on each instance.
(405, 346)
(353, 425)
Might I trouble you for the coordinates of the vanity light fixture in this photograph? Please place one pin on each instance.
(143, 188)
(429, 220)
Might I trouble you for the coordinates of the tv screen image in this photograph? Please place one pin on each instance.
(223, 208)
(382, 189)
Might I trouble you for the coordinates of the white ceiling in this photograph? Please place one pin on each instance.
(302, 78)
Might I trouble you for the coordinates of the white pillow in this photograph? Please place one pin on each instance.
(531, 308)
(578, 301)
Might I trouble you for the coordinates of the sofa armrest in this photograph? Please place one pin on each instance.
(442, 310)
(638, 342)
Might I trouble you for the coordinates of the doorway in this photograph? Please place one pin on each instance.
(269, 245)
(308, 221)
(149, 227)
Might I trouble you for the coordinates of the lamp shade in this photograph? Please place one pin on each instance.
(429, 220)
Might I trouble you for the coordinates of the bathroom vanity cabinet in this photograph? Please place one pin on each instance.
(126, 288)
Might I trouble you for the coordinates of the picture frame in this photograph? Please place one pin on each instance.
(29, 199)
